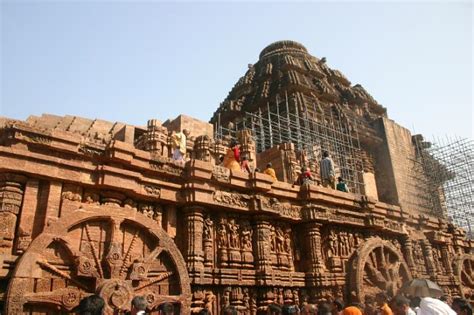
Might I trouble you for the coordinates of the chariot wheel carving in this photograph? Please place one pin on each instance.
(464, 269)
(377, 266)
(116, 254)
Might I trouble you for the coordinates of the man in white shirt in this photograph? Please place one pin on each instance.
(139, 305)
(432, 306)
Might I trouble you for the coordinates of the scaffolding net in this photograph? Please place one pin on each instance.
(310, 132)
(447, 185)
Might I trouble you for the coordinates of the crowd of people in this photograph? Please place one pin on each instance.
(95, 305)
(380, 305)
(234, 161)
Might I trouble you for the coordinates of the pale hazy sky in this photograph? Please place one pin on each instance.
(132, 61)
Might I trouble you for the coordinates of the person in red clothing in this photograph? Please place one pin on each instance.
(232, 157)
(245, 166)
(306, 176)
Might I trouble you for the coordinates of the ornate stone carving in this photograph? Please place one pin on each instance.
(72, 193)
(377, 267)
(202, 148)
(221, 174)
(285, 209)
(113, 265)
(246, 241)
(231, 198)
(34, 138)
(11, 196)
(208, 239)
(152, 190)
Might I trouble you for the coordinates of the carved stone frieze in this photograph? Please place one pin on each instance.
(167, 167)
(33, 138)
(231, 198)
(221, 174)
(285, 209)
(152, 190)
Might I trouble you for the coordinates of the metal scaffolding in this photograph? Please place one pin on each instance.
(310, 131)
(447, 185)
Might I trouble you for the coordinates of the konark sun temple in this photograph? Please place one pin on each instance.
(189, 213)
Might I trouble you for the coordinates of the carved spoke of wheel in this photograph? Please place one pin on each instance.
(54, 270)
(382, 270)
(467, 276)
(67, 297)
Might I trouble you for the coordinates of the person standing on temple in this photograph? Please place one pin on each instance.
(232, 157)
(341, 185)
(304, 178)
(178, 145)
(270, 171)
(328, 178)
(245, 166)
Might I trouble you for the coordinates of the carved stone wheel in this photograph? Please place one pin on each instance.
(464, 269)
(110, 251)
(377, 266)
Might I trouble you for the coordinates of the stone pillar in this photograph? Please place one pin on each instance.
(11, 197)
(407, 247)
(27, 216)
(313, 236)
(262, 247)
(427, 252)
(247, 146)
(194, 229)
(208, 242)
(170, 220)
(446, 259)
(156, 138)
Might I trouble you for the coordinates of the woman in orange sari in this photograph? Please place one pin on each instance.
(232, 157)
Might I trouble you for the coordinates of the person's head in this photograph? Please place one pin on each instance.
(186, 132)
(401, 304)
(444, 298)
(352, 310)
(461, 306)
(204, 311)
(139, 303)
(309, 309)
(288, 310)
(257, 170)
(274, 309)
(325, 154)
(308, 170)
(381, 298)
(229, 310)
(233, 143)
(167, 309)
(340, 179)
(269, 165)
(337, 306)
(91, 305)
(415, 302)
(324, 308)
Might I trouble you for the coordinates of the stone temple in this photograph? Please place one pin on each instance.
(90, 206)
